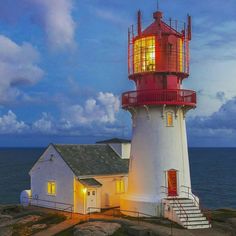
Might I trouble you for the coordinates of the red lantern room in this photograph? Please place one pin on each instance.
(158, 62)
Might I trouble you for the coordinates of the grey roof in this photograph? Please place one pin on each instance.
(90, 182)
(96, 159)
(115, 140)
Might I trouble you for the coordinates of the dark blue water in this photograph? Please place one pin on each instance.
(213, 174)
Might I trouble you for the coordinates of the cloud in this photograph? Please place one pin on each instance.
(55, 16)
(220, 96)
(10, 125)
(224, 118)
(95, 117)
(44, 125)
(18, 67)
(218, 128)
(102, 109)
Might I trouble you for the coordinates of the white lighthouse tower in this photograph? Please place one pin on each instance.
(159, 178)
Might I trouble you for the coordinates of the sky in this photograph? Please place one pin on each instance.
(63, 67)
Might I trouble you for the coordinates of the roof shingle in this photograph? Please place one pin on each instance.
(97, 159)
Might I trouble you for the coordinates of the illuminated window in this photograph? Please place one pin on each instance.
(181, 49)
(169, 119)
(51, 187)
(120, 186)
(144, 55)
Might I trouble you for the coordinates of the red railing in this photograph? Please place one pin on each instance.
(159, 97)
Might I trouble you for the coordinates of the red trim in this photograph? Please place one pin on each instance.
(159, 97)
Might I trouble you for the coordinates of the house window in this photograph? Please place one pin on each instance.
(169, 119)
(120, 186)
(51, 187)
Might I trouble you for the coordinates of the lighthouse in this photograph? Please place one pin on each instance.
(159, 181)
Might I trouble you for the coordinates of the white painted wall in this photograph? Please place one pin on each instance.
(51, 167)
(155, 148)
(126, 150)
(122, 149)
(109, 196)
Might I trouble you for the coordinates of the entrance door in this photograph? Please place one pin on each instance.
(92, 200)
(172, 183)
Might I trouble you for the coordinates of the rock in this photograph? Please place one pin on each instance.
(97, 228)
(138, 230)
(6, 231)
(5, 220)
(39, 226)
(29, 218)
(232, 221)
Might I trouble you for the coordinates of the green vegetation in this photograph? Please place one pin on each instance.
(121, 232)
(67, 232)
(222, 215)
(50, 219)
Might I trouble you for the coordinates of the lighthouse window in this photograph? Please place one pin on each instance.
(144, 55)
(169, 119)
(181, 49)
(120, 186)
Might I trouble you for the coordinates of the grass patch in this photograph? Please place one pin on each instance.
(52, 219)
(222, 215)
(121, 232)
(67, 232)
(26, 229)
(11, 210)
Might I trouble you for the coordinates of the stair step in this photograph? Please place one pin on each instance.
(193, 219)
(198, 226)
(200, 222)
(189, 212)
(181, 201)
(183, 205)
(192, 216)
(185, 208)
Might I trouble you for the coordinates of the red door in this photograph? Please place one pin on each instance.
(172, 183)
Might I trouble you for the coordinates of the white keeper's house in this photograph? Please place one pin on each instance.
(81, 178)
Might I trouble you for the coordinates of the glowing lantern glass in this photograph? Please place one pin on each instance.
(144, 54)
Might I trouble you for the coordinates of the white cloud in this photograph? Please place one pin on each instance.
(102, 110)
(44, 124)
(55, 16)
(10, 125)
(18, 66)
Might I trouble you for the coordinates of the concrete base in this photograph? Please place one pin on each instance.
(140, 208)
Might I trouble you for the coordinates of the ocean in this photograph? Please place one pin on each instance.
(213, 174)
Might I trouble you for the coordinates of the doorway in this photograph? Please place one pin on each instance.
(172, 183)
(92, 200)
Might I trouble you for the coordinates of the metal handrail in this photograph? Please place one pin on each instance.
(182, 208)
(206, 211)
(136, 212)
(159, 97)
(178, 202)
(190, 194)
(68, 206)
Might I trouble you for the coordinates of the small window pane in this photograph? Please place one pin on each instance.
(169, 119)
(51, 188)
(120, 186)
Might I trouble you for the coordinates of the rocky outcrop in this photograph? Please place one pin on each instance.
(96, 228)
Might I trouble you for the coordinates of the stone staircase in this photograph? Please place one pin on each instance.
(188, 214)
